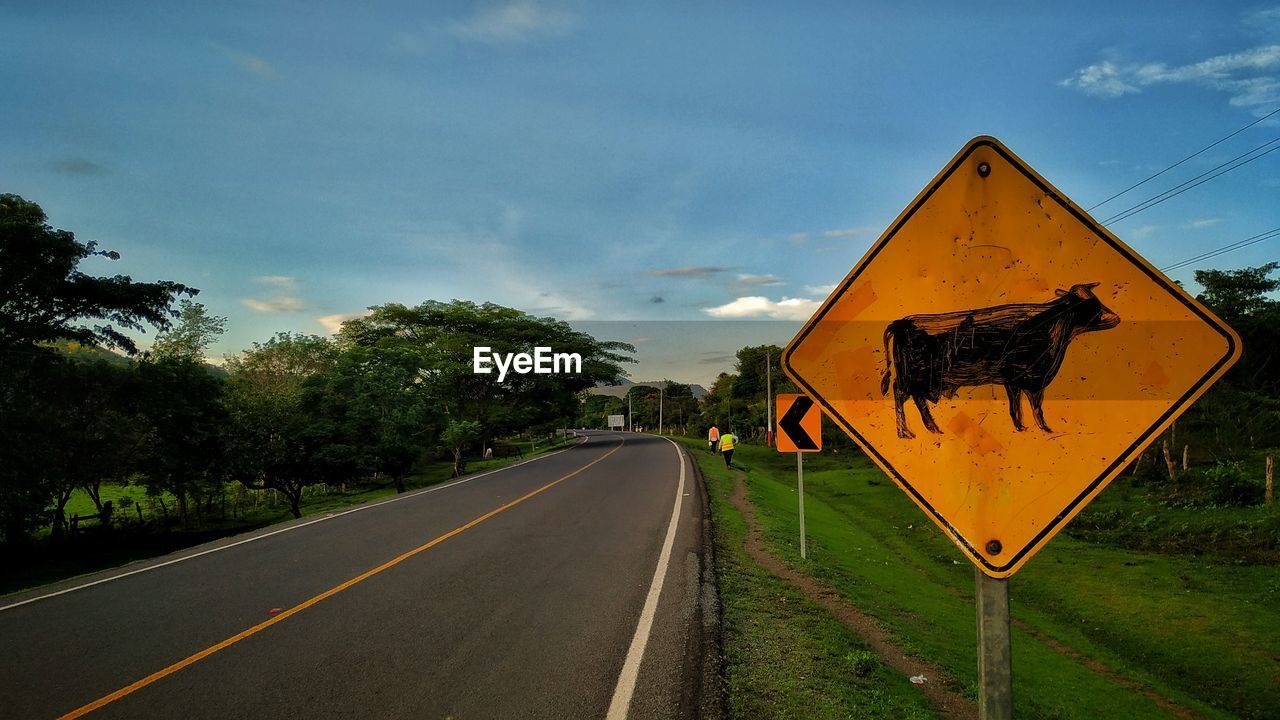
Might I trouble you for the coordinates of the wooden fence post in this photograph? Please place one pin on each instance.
(1170, 464)
(1270, 476)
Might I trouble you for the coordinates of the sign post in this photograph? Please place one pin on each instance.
(799, 431)
(804, 552)
(995, 667)
(1002, 357)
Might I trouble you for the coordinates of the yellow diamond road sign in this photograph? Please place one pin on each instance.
(1002, 356)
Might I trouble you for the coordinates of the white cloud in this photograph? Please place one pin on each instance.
(699, 271)
(798, 237)
(282, 296)
(332, 324)
(1142, 232)
(249, 63)
(1264, 21)
(820, 289)
(756, 306)
(1102, 79)
(1248, 76)
(276, 304)
(283, 282)
(749, 280)
(514, 22)
(847, 232)
(1205, 222)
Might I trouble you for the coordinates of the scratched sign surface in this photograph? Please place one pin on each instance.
(1002, 356)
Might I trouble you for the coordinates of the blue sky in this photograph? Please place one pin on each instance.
(299, 162)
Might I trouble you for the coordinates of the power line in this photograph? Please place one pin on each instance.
(1192, 183)
(1260, 237)
(1192, 155)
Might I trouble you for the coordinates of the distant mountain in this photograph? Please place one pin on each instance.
(92, 353)
(621, 390)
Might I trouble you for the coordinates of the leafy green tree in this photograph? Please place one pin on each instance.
(191, 335)
(443, 336)
(680, 408)
(1241, 413)
(272, 443)
(719, 407)
(182, 403)
(380, 421)
(1234, 294)
(457, 436)
(45, 297)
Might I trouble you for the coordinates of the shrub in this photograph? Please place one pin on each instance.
(862, 662)
(1227, 484)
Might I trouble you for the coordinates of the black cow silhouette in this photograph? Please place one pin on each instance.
(1019, 346)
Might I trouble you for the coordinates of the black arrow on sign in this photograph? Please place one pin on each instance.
(790, 424)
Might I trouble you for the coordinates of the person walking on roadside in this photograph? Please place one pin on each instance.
(713, 439)
(727, 441)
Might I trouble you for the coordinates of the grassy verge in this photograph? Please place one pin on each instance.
(97, 549)
(785, 656)
(1102, 631)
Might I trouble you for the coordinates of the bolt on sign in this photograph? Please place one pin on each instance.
(799, 424)
(1002, 356)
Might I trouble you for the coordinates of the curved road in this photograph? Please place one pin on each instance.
(571, 585)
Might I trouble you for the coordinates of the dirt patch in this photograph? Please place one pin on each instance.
(942, 691)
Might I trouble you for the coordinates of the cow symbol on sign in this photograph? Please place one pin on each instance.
(1019, 346)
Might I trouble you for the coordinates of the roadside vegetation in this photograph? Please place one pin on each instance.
(1100, 630)
(109, 454)
(1161, 599)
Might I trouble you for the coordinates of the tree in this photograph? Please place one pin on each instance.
(443, 336)
(379, 419)
(272, 443)
(457, 435)
(44, 297)
(679, 406)
(1240, 413)
(184, 454)
(191, 335)
(1235, 294)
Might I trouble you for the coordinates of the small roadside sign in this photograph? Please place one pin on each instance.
(799, 424)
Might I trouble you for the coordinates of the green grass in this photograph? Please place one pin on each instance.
(785, 656)
(1149, 514)
(1196, 630)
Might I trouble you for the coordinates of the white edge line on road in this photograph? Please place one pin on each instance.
(626, 687)
(327, 516)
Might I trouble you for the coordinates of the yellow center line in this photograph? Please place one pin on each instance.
(197, 657)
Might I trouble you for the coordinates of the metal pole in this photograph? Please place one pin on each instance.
(800, 484)
(995, 675)
(660, 410)
(630, 425)
(768, 395)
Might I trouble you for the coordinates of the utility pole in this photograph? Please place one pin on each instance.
(768, 396)
(660, 389)
(630, 426)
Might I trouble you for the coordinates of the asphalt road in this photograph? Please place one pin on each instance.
(529, 592)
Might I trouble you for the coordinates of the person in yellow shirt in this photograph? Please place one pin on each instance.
(713, 439)
(727, 442)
